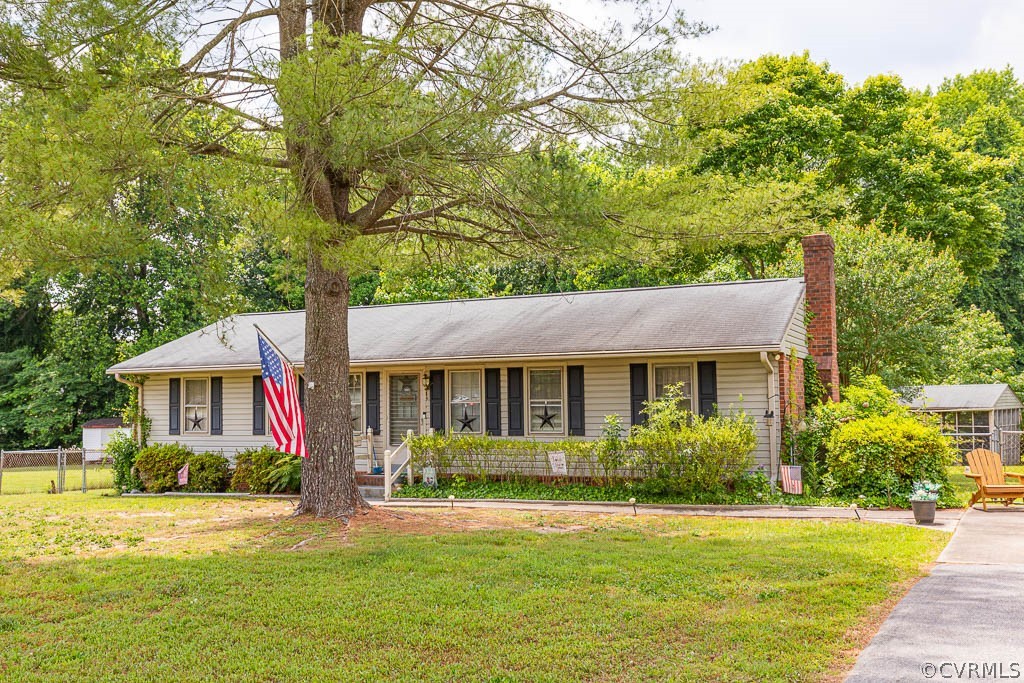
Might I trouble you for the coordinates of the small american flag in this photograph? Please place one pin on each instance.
(280, 386)
(183, 476)
(792, 479)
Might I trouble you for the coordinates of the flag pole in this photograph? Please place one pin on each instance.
(274, 346)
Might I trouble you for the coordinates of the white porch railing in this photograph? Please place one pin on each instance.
(393, 460)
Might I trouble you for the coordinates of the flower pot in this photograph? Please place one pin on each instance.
(924, 511)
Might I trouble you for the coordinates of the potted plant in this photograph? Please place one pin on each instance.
(923, 501)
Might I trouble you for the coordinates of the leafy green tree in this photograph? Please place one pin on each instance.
(985, 110)
(978, 350)
(355, 130)
(874, 153)
(895, 304)
(906, 173)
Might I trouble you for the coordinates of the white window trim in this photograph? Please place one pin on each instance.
(448, 398)
(362, 402)
(693, 380)
(529, 399)
(185, 431)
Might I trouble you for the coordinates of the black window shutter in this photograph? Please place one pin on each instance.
(515, 402)
(492, 399)
(259, 426)
(216, 405)
(302, 392)
(577, 418)
(707, 388)
(174, 406)
(437, 400)
(373, 401)
(637, 393)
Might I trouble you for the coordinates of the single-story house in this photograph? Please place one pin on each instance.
(544, 367)
(975, 415)
(96, 433)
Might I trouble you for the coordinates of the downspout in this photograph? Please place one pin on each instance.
(773, 447)
(137, 428)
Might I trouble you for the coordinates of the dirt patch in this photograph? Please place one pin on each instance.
(439, 521)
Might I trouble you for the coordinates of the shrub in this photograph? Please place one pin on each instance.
(259, 470)
(207, 473)
(885, 454)
(691, 452)
(867, 396)
(610, 450)
(123, 450)
(158, 466)
(286, 474)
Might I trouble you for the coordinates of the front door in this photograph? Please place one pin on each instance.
(403, 407)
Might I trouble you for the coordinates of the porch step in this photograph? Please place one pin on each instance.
(372, 492)
(369, 479)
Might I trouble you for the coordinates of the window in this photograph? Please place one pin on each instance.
(197, 409)
(355, 398)
(667, 375)
(969, 430)
(546, 401)
(464, 401)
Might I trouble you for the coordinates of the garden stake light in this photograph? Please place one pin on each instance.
(632, 501)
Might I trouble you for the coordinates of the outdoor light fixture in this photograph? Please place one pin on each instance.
(769, 414)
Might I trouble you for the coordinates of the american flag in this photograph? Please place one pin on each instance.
(280, 387)
(792, 479)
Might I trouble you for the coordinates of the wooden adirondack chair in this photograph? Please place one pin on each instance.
(987, 472)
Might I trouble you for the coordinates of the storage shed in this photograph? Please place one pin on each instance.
(96, 434)
(975, 415)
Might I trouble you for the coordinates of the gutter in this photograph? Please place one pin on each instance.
(773, 447)
(137, 428)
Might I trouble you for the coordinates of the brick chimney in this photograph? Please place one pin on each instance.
(820, 279)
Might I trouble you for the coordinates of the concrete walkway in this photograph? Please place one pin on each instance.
(945, 520)
(965, 621)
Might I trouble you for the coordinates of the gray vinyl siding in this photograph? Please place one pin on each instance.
(742, 385)
(796, 333)
(1008, 401)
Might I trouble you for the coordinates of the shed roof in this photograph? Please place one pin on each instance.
(960, 396)
(104, 423)
(751, 315)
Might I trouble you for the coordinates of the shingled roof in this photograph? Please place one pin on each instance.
(940, 397)
(747, 315)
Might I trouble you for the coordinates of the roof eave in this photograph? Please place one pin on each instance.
(465, 359)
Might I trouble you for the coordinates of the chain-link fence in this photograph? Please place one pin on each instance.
(54, 470)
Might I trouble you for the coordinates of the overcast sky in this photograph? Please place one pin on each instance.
(921, 40)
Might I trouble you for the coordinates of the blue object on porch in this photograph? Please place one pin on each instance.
(376, 470)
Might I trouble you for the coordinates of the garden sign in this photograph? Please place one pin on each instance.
(558, 466)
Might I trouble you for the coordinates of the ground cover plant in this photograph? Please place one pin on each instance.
(140, 589)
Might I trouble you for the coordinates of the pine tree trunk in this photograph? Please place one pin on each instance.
(328, 477)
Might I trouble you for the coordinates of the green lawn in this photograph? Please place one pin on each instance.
(37, 479)
(166, 589)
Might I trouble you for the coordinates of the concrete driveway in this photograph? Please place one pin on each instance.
(965, 621)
